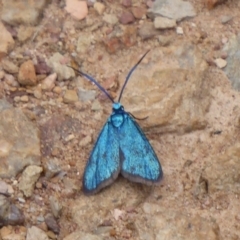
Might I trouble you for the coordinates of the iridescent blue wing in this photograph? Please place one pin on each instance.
(139, 163)
(103, 165)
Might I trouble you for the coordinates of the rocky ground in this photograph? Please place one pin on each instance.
(188, 87)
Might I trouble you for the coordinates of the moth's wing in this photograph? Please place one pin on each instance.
(103, 165)
(139, 161)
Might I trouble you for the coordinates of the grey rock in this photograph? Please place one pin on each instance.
(9, 213)
(52, 223)
(15, 216)
(19, 141)
(6, 41)
(25, 33)
(3, 188)
(11, 80)
(6, 189)
(34, 233)
(86, 95)
(55, 206)
(4, 105)
(164, 23)
(165, 40)
(28, 179)
(29, 14)
(173, 9)
(84, 42)
(4, 207)
(147, 31)
(63, 71)
(96, 106)
(232, 69)
(226, 18)
(51, 167)
(40, 218)
(110, 18)
(9, 66)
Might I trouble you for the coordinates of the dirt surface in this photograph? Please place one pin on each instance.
(193, 123)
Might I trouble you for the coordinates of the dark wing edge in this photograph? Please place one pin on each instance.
(103, 165)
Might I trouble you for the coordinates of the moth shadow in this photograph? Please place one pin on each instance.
(129, 189)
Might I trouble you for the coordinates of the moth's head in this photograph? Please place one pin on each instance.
(117, 106)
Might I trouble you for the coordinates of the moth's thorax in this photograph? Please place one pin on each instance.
(118, 115)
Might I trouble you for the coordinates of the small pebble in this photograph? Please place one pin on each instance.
(225, 19)
(40, 219)
(3, 187)
(26, 74)
(39, 185)
(57, 90)
(49, 82)
(110, 18)
(9, 66)
(55, 206)
(99, 7)
(24, 98)
(77, 9)
(37, 93)
(164, 23)
(10, 80)
(69, 137)
(85, 141)
(164, 40)
(2, 75)
(21, 200)
(51, 235)
(70, 96)
(15, 182)
(90, 2)
(127, 3)
(149, 3)
(138, 12)
(224, 40)
(179, 30)
(52, 223)
(126, 18)
(221, 63)
(224, 55)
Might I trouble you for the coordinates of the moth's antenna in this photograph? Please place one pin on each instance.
(95, 82)
(130, 73)
(136, 117)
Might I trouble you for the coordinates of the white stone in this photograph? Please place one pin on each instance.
(221, 63)
(179, 30)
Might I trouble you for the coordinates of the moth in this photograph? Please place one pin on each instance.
(121, 147)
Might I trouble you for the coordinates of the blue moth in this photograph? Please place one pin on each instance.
(121, 147)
